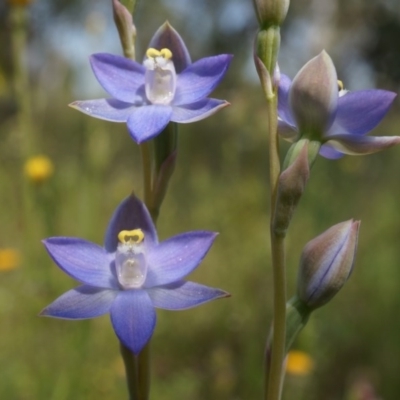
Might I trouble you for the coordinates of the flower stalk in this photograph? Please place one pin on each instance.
(273, 365)
(271, 14)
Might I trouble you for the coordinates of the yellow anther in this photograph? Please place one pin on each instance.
(135, 236)
(153, 53)
(340, 85)
(166, 53)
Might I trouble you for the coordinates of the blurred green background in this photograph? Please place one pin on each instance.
(221, 183)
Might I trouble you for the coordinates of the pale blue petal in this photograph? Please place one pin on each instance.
(361, 111)
(197, 111)
(286, 131)
(360, 145)
(119, 76)
(183, 294)
(329, 152)
(84, 261)
(176, 257)
(130, 214)
(133, 318)
(199, 79)
(81, 303)
(167, 37)
(148, 121)
(283, 100)
(107, 109)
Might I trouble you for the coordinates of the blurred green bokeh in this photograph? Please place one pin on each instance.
(221, 184)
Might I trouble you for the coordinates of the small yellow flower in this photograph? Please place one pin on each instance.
(9, 259)
(39, 168)
(299, 363)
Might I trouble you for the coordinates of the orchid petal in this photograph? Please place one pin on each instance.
(329, 152)
(167, 37)
(288, 132)
(361, 111)
(283, 100)
(197, 111)
(148, 121)
(107, 109)
(199, 79)
(133, 318)
(182, 295)
(176, 257)
(81, 303)
(360, 145)
(83, 260)
(313, 96)
(119, 76)
(130, 214)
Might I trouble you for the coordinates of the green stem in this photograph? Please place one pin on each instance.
(138, 367)
(273, 385)
(131, 370)
(18, 17)
(147, 174)
(143, 364)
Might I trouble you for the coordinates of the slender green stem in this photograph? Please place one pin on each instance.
(143, 363)
(274, 380)
(18, 17)
(131, 370)
(138, 367)
(147, 174)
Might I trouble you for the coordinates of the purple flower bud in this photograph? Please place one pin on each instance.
(326, 263)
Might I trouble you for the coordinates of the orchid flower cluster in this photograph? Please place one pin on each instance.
(133, 272)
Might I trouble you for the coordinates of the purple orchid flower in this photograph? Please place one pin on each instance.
(167, 87)
(131, 275)
(313, 107)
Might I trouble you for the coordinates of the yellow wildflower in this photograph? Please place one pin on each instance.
(299, 363)
(9, 259)
(39, 168)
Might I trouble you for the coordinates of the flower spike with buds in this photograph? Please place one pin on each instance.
(167, 87)
(131, 275)
(316, 107)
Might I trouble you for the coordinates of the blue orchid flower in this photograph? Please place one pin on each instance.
(131, 275)
(167, 87)
(314, 107)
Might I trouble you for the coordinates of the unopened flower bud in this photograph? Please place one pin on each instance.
(271, 12)
(126, 29)
(292, 182)
(326, 263)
